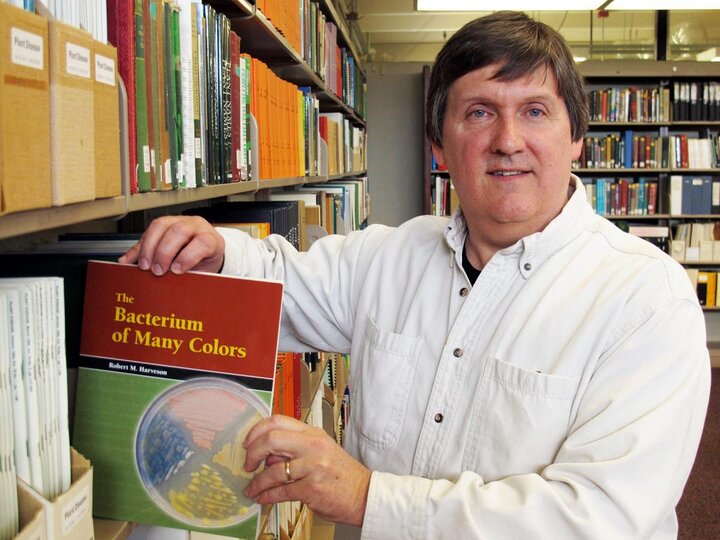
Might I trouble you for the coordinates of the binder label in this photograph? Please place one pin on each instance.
(74, 510)
(27, 49)
(104, 70)
(77, 60)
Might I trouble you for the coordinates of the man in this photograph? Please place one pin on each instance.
(523, 370)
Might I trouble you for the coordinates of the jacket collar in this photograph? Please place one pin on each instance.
(533, 249)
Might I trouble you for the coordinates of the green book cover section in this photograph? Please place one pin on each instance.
(169, 385)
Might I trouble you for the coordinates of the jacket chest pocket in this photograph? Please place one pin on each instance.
(519, 421)
(381, 385)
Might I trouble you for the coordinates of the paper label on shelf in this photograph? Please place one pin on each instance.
(77, 60)
(104, 70)
(27, 49)
(74, 510)
(146, 158)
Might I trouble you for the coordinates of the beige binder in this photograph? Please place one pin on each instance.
(24, 111)
(72, 131)
(108, 182)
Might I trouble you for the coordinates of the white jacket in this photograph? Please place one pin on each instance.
(562, 396)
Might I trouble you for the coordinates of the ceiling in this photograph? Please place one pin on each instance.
(392, 31)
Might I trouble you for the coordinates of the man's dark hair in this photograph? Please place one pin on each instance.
(520, 46)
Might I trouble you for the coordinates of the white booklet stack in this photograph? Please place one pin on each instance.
(33, 391)
(8, 494)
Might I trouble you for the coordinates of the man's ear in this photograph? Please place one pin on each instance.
(577, 147)
(438, 154)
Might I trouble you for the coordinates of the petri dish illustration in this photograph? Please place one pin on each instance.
(189, 453)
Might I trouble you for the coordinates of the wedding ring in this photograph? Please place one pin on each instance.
(287, 472)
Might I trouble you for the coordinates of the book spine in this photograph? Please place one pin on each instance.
(143, 168)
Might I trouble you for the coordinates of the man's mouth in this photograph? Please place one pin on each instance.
(506, 173)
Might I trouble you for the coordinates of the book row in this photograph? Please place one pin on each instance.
(196, 102)
(443, 197)
(648, 151)
(696, 101)
(59, 140)
(314, 37)
(622, 196)
(630, 104)
(696, 242)
(694, 195)
(706, 286)
(689, 101)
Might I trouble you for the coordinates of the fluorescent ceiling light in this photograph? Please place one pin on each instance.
(519, 5)
(564, 5)
(652, 5)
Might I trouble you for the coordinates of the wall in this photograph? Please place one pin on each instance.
(395, 141)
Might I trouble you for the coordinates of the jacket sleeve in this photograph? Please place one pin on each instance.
(619, 473)
(320, 285)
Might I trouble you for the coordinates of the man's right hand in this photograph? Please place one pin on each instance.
(178, 244)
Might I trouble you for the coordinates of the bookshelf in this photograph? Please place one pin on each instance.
(130, 212)
(260, 39)
(668, 107)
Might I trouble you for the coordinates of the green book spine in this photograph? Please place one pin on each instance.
(143, 146)
(156, 89)
(173, 85)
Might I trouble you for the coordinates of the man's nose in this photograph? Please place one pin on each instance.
(508, 137)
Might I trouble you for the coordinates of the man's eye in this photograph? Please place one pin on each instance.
(478, 114)
(535, 112)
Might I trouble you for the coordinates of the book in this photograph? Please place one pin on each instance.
(142, 168)
(121, 34)
(168, 387)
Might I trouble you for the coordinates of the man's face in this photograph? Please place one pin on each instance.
(508, 148)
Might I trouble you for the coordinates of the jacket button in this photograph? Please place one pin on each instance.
(464, 291)
(458, 352)
(438, 418)
(527, 266)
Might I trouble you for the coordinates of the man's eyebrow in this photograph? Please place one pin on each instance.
(488, 99)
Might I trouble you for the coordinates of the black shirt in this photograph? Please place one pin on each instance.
(471, 272)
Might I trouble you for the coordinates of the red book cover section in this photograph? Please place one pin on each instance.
(184, 321)
(173, 373)
(121, 34)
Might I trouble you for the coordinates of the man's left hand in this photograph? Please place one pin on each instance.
(303, 463)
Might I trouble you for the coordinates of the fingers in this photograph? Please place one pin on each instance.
(275, 482)
(276, 438)
(178, 244)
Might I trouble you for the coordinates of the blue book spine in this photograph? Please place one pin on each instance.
(628, 157)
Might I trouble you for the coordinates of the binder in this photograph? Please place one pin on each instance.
(106, 118)
(24, 111)
(72, 129)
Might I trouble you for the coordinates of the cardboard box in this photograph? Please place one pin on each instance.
(69, 516)
(32, 515)
(24, 111)
(106, 117)
(110, 529)
(72, 129)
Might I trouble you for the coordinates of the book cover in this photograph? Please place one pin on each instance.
(169, 384)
